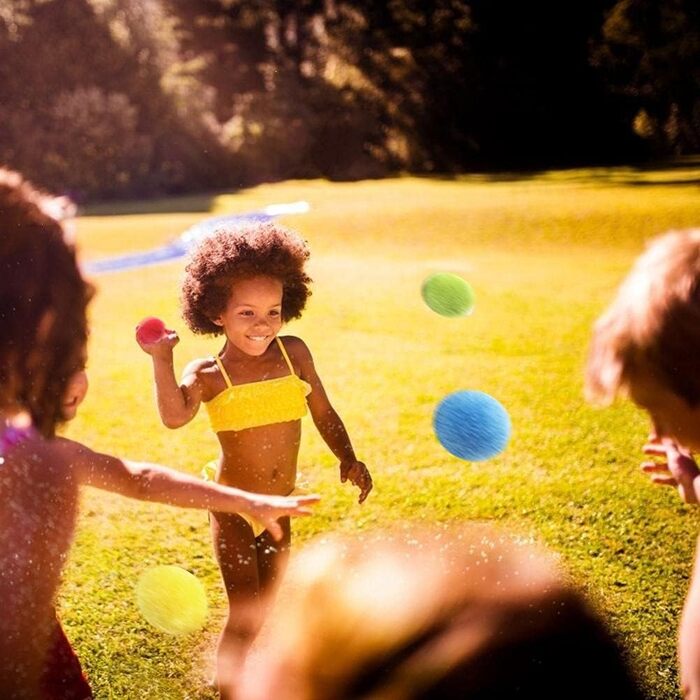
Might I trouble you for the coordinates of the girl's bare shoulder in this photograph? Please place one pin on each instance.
(201, 367)
(199, 364)
(295, 347)
(45, 463)
(205, 373)
(299, 353)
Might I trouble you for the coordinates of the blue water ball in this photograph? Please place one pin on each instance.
(471, 425)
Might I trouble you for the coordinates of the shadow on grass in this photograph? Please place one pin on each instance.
(679, 171)
(202, 202)
(671, 173)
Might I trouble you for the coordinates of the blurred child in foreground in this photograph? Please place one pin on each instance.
(432, 615)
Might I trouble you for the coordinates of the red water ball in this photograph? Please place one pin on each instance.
(150, 330)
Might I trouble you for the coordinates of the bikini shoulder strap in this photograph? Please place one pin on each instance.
(284, 354)
(220, 365)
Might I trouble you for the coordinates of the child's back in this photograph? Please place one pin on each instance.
(36, 526)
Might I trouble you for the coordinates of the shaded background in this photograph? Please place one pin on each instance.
(135, 98)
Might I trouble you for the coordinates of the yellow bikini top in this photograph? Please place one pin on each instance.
(253, 404)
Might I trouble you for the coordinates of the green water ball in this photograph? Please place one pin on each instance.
(172, 599)
(448, 294)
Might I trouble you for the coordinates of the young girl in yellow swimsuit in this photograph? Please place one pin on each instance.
(245, 283)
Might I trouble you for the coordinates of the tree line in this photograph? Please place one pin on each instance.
(120, 98)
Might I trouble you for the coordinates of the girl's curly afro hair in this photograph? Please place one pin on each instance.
(232, 254)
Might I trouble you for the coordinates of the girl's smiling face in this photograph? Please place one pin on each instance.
(253, 315)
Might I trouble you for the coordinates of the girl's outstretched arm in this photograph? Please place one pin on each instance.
(328, 422)
(154, 482)
(177, 403)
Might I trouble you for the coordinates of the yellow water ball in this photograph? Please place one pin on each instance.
(172, 599)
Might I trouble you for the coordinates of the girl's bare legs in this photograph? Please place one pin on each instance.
(249, 568)
(272, 557)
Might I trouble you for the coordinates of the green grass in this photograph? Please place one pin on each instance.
(544, 255)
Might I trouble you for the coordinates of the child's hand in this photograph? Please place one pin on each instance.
(266, 510)
(359, 476)
(162, 347)
(679, 469)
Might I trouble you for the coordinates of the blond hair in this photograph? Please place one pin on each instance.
(653, 324)
(426, 614)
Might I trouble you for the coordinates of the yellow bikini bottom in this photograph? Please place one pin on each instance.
(208, 473)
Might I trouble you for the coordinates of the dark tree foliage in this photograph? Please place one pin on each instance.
(543, 102)
(138, 97)
(83, 113)
(649, 51)
(350, 88)
(492, 83)
(227, 41)
(281, 116)
(417, 59)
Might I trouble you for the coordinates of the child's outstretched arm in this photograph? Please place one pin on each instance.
(153, 482)
(329, 424)
(177, 403)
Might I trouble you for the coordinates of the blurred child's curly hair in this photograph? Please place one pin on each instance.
(43, 302)
(653, 325)
(232, 254)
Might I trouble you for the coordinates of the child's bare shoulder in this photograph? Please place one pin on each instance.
(294, 345)
(205, 373)
(68, 450)
(201, 367)
(45, 463)
(298, 351)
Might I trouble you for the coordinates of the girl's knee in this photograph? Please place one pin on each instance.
(241, 627)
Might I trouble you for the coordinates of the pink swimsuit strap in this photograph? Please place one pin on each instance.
(12, 434)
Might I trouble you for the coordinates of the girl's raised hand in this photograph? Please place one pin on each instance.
(161, 345)
(359, 476)
(267, 509)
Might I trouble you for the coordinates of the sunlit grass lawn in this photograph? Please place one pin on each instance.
(544, 256)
